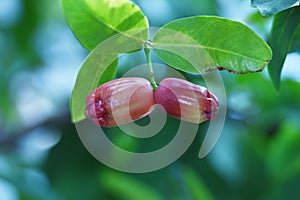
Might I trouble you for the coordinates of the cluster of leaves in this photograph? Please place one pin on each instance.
(285, 34)
(221, 43)
(193, 45)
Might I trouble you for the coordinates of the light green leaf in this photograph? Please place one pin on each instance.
(270, 7)
(98, 68)
(93, 21)
(203, 43)
(284, 27)
(127, 187)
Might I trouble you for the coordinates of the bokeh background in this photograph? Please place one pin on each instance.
(42, 157)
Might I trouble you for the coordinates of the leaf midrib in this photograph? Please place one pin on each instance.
(212, 49)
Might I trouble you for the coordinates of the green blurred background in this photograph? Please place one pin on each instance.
(42, 157)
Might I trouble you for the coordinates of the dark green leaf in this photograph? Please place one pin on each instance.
(284, 26)
(295, 45)
(196, 185)
(94, 21)
(203, 43)
(270, 7)
(284, 149)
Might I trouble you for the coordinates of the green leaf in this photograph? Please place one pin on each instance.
(196, 185)
(203, 43)
(98, 68)
(127, 187)
(270, 7)
(93, 21)
(284, 27)
(283, 155)
(295, 45)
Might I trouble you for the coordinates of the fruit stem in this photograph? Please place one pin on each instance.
(151, 73)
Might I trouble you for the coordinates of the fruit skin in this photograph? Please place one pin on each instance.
(120, 101)
(187, 101)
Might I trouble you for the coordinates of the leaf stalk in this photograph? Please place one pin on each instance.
(150, 68)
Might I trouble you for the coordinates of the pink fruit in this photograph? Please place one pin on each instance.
(186, 101)
(119, 102)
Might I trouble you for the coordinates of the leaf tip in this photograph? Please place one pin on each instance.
(275, 78)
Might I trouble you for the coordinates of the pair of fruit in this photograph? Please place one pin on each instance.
(127, 99)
